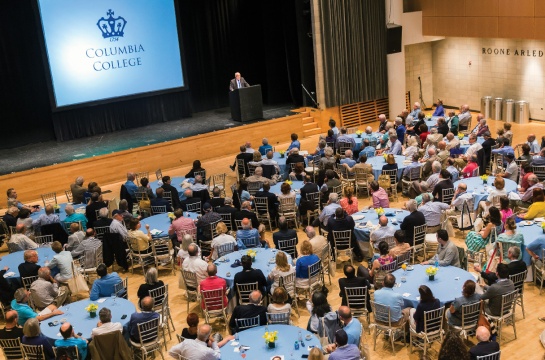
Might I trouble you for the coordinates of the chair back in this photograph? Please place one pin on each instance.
(433, 324)
(518, 281)
(287, 205)
(11, 348)
(248, 241)
(238, 223)
(159, 174)
(382, 271)
(168, 195)
(66, 352)
(343, 146)
(539, 171)
(356, 298)
(415, 173)
(493, 356)
(475, 172)
(49, 198)
(219, 181)
(27, 281)
(288, 246)
(140, 175)
(254, 187)
(338, 189)
(288, 283)
(244, 291)
(225, 249)
(33, 352)
(180, 338)
(14, 247)
(159, 296)
(158, 209)
(195, 207)
(342, 239)
(470, 317)
(101, 230)
(69, 196)
(390, 240)
(393, 176)
(247, 323)
(149, 331)
(261, 205)
(419, 234)
(181, 232)
(382, 313)
(241, 168)
(162, 251)
(404, 258)
(190, 281)
(213, 233)
(314, 276)
(447, 194)
(202, 173)
(278, 318)
(226, 218)
(140, 196)
(251, 169)
(314, 197)
(213, 299)
(44, 240)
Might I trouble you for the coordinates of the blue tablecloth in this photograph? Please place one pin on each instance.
(14, 259)
(62, 213)
(359, 140)
(363, 233)
(262, 263)
(282, 162)
(475, 186)
(378, 162)
(287, 335)
(82, 322)
(275, 189)
(530, 233)
(445, 287)
(162, 222)
(175, 181)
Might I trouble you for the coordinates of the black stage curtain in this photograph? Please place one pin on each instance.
(354, 48)
(257, 38)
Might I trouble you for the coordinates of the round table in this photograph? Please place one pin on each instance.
(530, 233)
(162, 222)
(61, 213)
(253, 338)
(295, 186)
(175, 181)
(476, 187)
(466, 144)
(378, 162)
(359, 140)
(262, 263)
(446, 287)
(14, 259)
(80, 319)
(282, 161)
(363, 232)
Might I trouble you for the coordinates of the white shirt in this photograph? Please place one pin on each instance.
(23, 242)
(196, 265)
(458, 202)
(472, 150)
(534, 146)
(318, 243)
(221, 240)
(107, 328)
(118, 227)
(195, 350)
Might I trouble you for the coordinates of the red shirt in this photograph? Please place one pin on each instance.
(524, 182)
(468, 170)
(423, 137)
(214, 283)
(181, 223)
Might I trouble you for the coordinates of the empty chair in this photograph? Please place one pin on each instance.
(158, 209)
(288, 246)
(191, 285)
(342, 241)
(356, 299)
(49, 198)
(44, 240)
(493, 356)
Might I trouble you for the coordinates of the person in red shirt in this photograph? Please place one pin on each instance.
(423, 134)
(212, 282)
(524, 182)
(470, 167)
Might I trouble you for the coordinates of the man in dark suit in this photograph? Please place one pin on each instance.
(308, 188)
(484, 346)
(495, 292)
(487, 146)
(90, 210)
(160, 200)
(103, 219)
(351, 280)
(246, 212)
(294, 158)
(284, 233)
(515, 266)
(246, 156)
(250, 275)
(147, 314)
(216, 201)
(415, 218)
(238, 82)
(444, 183)
(340, 222)
(30, 267)
(248, 311)
(189, 199)
(228, 208)
(173, 192)
(273, 200)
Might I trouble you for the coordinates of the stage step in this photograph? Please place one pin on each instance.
(311, 125)
(313, 131)
(308, 120)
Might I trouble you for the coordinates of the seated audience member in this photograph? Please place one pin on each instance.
(190, 332)
(77, 190)
(250, 275)
(272, 200)
(124, 211)
(19, 241)
(174, 195)
(195, 168)
(351, 281)
(159, 200)
(73, 216)
(247, 237)
(30, 267)
(202, 348)
(384, 231)
(495, 193)
(279, 301)
(104, 286)
(46, 291)
(62, 260)
(349, 202)
(118, 225)
(328, 211)
(137, 318)
(25, 219)
(342, 350)
(471, 167)
(320, 315)
(253, 309)
(485, 346)
(70, 338)
(146, 188)
(494, 293)
(89, 248)
(216, 201)
(246, 212)
(284, 233)
(444, 183)
(103, 220)
(195, 264)
(515, 266)
(143, 241)
(33, 336)
(414, 219)
(505, 211)
(401, 247)
(511, 172)
(282, 268)
(318, 242)
(386, 296)
(526, 196)
(199, 185)
(213, 282)
(11, 330)
(469, 296)
(383, 258)
(6, 289)
(475, 241)
(453, 171)
(342, 222)
(427, 303)
(453, 347)
(105, 324)
(48, 218)
(10, 217)
(94, 205)
(286, 192)
(265, 148)
(302, 264)
(537, 209)
(258, 177)
(432, 211)
(221, 239)
(380, 196)
(447, 252)
(75, 238)
(209, 217)
(183, 253)
(152, 283)
(25, 312)
(352, 328)
(181, 226)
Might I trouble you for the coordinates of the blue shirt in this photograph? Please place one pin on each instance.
(353, 330)
(368, 151)
(400, 130)
(294, 144)
(105, 286)
(346, 352)
(302, 264)
(75, 217)
(252, 234)
(388, 297)
(263, 149)
(506, 149)
(395, 149)
(415, 113)
(131, 188)
(535, 247)
(439, 111)
(80, 343)
(24, 312)
(454, 173)
(62, 261)
(349, 162)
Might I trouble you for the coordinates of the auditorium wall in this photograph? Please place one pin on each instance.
(418, 63)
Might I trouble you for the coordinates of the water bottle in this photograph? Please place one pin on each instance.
(236, 336)
(300, 336)
(296, 345)
(436, 258)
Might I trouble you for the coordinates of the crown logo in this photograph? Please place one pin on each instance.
(111, 27)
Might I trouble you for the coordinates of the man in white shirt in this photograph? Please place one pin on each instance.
(464, 117)
(512, 170)
(532, 142)
(19, 241)
(198, 185)
(195, 264)
(117, 225)
(202, 348)
(382, 232)
(105, 325)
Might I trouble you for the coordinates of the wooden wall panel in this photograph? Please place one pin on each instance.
(539, 8)
(539, 28)
(481, 8)
(449, 8)
(428, 7)
(514, 8)
(454, 26)
(516, 27)
(428, 26)
(483, 27)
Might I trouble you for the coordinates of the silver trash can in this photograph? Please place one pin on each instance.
(508, 111)
(486, 106)
(522, 112)
(496, 109)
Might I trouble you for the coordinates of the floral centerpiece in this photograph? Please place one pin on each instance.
(543, 226)
(379, 211)
(289, 182)
(484, 178)
(431, 271)
(171, 217)
(57, 208)
(282, 153)
(251, 253)
(385, 156)
(270, 338)
(461, 136)
(92, 310)
(358, 133)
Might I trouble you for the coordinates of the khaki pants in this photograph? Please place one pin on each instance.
(64, 292)
(460, 162)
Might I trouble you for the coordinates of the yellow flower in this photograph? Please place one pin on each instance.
(359, 132)
(271, 336)
(461, 136)
(484, 177)
(251, 253)
(282, 152)
(404, 266)
(543, 225)
(432, 270)
(171, 216)
(91, 308)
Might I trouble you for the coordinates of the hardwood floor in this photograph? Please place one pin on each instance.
(528, 329)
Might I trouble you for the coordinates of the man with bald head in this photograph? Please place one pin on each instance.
(75, 238)
(19, 241)
(11, 330)
(247, 237)
(195, 264)
(484, 346)
(137, 318)
(258, 177)
(452, 141)
(202, 348)
(46, 290)
(317, 241)
(464, 117)
(73, 216)
(48, 218)
(70, 338)
(213, 282)
(30, 266)
(385, 230)
(416, 110)
(253, 309)
(246, 157)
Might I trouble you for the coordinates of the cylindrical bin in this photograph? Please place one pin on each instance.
(522, 112)
(496, 109)
(486, 106)
(508, 111)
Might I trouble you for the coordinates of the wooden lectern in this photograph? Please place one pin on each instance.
(246, 103)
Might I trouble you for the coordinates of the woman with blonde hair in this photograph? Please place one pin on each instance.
(390, 163)
(222, 239)
(183, 254)
(349, 202)
(257, 159)
(33, 336)
(315, 354)
(282, 268)
(279, 302)
(412, 147)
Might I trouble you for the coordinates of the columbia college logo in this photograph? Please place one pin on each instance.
(111, 27)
